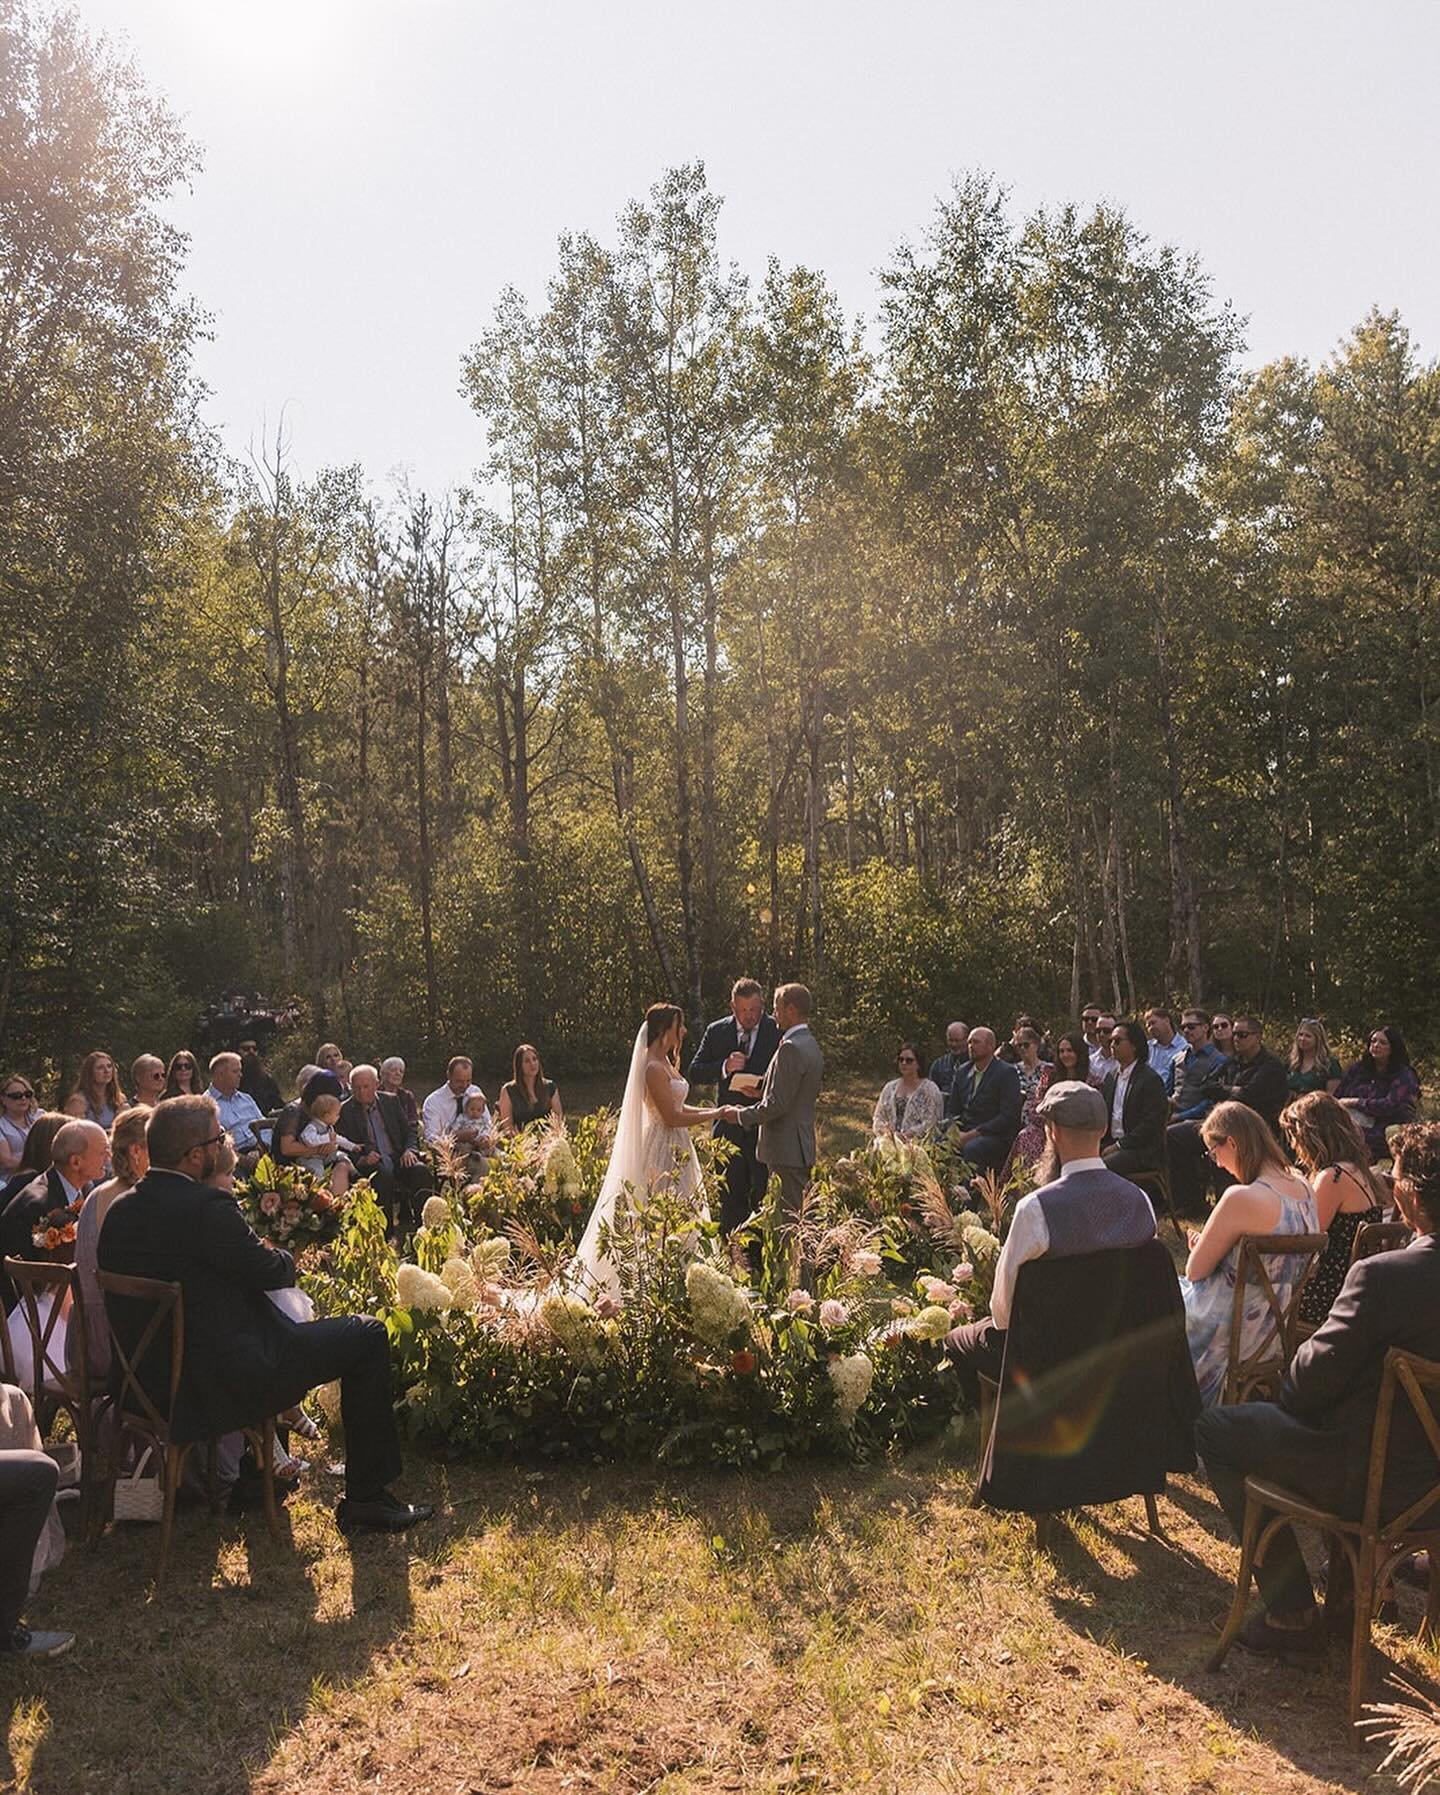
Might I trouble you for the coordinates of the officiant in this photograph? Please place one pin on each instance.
(740, 1047)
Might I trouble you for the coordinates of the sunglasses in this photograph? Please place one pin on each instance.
(906, 1059)
(19, 1096)
(1187, 1026)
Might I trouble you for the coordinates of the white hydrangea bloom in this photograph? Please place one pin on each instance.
(490, 1258)
(436, 1214)
(572, 1321)
(932, 1323)
(718, 1306)
(421, 1290)
(562, 1175)
(851, 1378)
(981, 1242)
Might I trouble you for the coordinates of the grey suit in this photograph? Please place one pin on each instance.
(785, 1114)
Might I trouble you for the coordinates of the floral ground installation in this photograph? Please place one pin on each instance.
(709, 1355)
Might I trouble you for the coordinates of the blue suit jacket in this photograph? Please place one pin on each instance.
(719, 1041)
(994, 1108)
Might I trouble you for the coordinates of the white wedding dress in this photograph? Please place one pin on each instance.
(647, 1156)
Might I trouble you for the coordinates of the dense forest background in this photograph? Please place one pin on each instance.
(1015, 646)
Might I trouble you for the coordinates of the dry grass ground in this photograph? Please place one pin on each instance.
(614, 1631)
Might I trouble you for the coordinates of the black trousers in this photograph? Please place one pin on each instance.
(27, 1488)
(1126, 1160)
(988, 1151)
(1258, 1439)
(356, 1350)
(978, 1350)
(746, 1179)
(1189, 1167)
(402, 1191)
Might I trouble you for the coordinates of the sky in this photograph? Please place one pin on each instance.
(375, 172)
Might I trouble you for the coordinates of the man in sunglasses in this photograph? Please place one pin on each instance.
(1253, 1076)
(1197, 1070)
(243, 1358)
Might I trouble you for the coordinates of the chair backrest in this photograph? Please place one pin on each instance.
(1098, 1398)
(1280, 1336)
(1418, 1380)
(51, 1376)
(1379, 1237)
(167, 1304)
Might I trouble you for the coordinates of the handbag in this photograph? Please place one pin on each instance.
(138, 1497)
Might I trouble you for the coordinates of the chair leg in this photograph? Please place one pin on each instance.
(173, 1467)
(1254, 1515)
(1152, 1514)
(1360, 1627)
(212, 1475)
(272, 1507)
(1430, 1626)
(1043, 1528)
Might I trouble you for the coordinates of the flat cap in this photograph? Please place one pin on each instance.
(1070, 1104)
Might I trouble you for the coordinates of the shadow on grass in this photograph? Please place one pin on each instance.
(1165, 1607)
(193, 1687)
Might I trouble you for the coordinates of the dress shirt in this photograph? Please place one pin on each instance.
(1162, 1060)
(72, 1194)
(1102, 1065)
(1117, 1105)
(443, 1112)
(1029, 1238)
(379, 1134)
(237, 1113)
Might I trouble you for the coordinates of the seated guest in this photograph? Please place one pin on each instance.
(1267, 1197)
(443, 1112)
(1253, 1076)
(945, 1070)
(1165, 1044)
(1072, 1060)
(238, 1112)
(328, 1152)
(1222, 1033)
(34, 1155)
(1135, 1102)
(477, 1133)
(387, 1148)
(244, 1358)
(1315, 1441)
(1381, 1088)
(982, 1112)
(328, 1056)
(1102, 1061)
(1090, 1029)
(28, 1478)
(147, 1079)
(287, 1144)
(1328, 1149)
(910, 1107)
(392, 1082)
(182, 1075)
(1086, 1209)
(131, 1161)
(97, 1096)
(1036, 1077)
(18, 1110)
(529, 1096)
(78, 1155)
(342, 1072)
(1312, 1065)
(1195, 1075)
(255, 1079)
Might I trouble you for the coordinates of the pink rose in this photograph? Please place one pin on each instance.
(960, 1310)
(799, 1302)
(937, 1290)
(270, 1203)
(833, 1314)
(962, 1274)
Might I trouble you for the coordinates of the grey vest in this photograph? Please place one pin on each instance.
(1093, 1210)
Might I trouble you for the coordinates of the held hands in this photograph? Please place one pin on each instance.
(730, 1114)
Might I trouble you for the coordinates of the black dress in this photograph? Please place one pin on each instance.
(523, 1113)
(1329, 1274)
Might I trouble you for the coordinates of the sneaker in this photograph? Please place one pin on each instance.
(380, 1514)
(1258, 1635)
(24, 1642)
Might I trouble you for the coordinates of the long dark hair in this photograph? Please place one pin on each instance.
(1399, 1052)
(1082, 1055)
(517, 1072)
(660, 1018)
(172, 1076)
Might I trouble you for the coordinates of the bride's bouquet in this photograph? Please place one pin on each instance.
(289, 1206)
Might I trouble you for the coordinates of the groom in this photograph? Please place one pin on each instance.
(785, 1114)
(743, 1041)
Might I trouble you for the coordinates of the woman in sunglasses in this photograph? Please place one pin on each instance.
(17, 1111)
(182, 1076)
(910, 1107)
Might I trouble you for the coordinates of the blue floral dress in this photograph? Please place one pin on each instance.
(1210, 1301)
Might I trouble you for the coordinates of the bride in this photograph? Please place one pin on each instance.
(653, 1146)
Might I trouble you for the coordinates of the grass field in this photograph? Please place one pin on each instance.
(586, 1628)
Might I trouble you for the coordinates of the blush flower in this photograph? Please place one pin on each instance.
(867, 1264)
(833, 1313)
(799, 1302)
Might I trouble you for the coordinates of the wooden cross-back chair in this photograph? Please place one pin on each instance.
(1379, 1237)
(1269, 1360)
(1156, 1186)
(1374, 1546)
(60, 1365)
(139, 1414)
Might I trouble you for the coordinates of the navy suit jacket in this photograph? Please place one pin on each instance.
(994, 1108)
(720, 1040)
